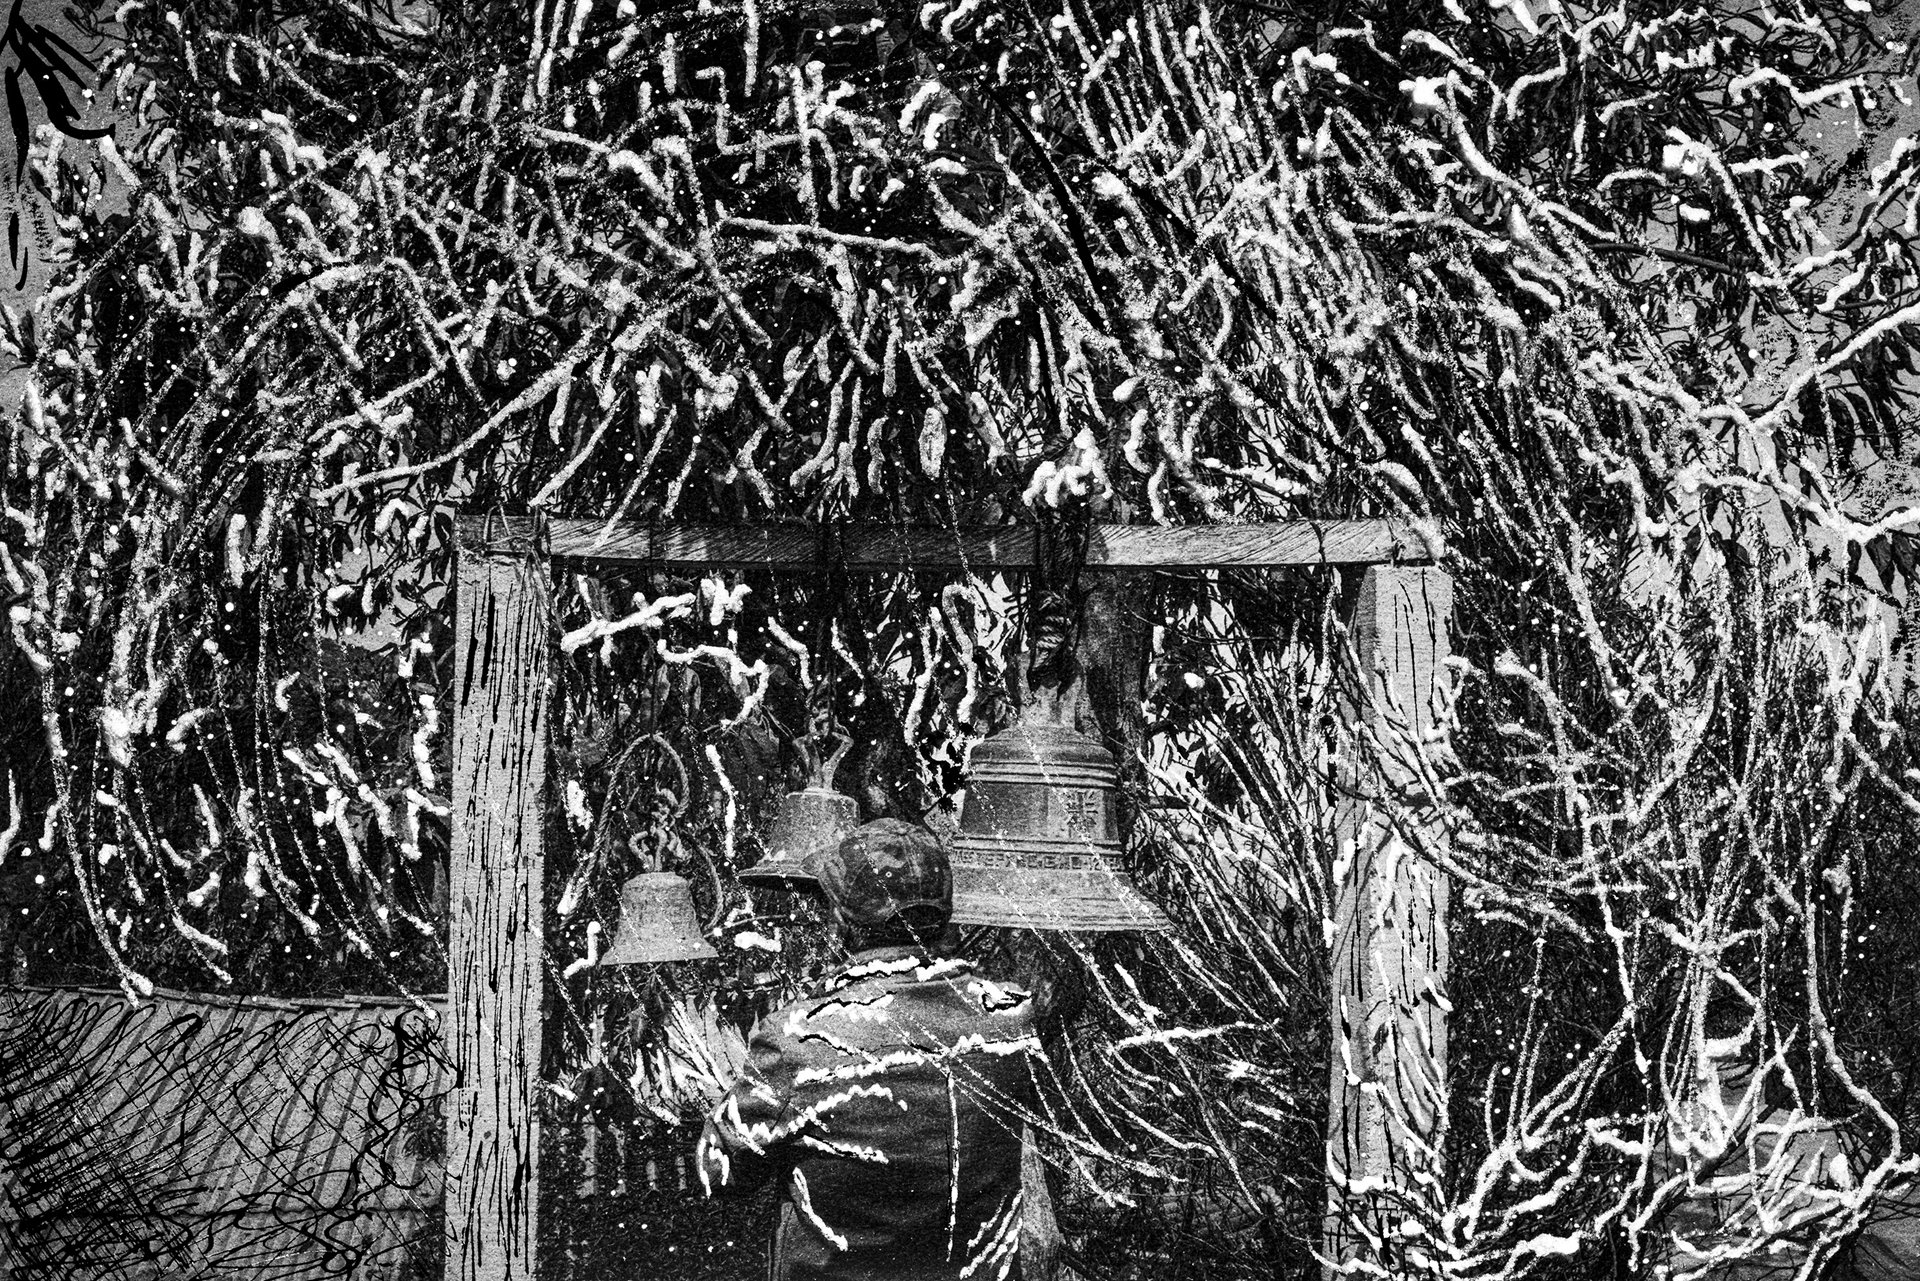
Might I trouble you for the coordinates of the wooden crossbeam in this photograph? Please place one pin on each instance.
(877, 547)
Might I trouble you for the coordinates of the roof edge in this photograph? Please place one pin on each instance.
(431, 1001)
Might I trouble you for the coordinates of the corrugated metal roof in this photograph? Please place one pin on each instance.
(271, 1138)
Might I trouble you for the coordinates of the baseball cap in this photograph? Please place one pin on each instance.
(884, 868)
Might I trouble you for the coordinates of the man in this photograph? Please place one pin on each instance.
(892, 1101)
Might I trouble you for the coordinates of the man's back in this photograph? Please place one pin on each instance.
(893, 1103)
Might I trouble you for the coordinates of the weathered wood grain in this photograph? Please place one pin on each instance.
(1275, 545)
(873, 547)
(503, 633)
(1389, 945)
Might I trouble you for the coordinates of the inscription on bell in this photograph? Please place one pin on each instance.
(1079, 810)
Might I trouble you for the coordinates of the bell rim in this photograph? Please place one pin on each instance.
(773, 871)
(614, 956)
(1106, 901)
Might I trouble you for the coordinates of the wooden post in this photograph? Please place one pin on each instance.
(502, 639)
(1389, 941)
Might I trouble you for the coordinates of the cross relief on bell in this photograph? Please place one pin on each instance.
(1081, 810)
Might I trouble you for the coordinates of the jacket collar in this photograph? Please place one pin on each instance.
(876, 955)
(899, 959)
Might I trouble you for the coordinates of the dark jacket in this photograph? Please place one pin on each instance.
(891, 1104)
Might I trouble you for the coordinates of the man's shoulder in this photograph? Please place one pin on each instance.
(941, 980)
(920, 990)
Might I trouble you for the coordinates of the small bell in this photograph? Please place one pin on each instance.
(808, 823)
(1038, 845)
(657, 923)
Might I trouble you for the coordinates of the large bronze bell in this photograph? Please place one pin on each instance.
(657, 923)
(1039, 840)
(808, 823)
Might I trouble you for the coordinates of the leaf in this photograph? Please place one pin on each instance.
(51, 58)
(933, 442)
(17, 109)
(1897, 354)
(1737, 554)
(1843, 421)
(1691, 544)
(1882, 557)
(1902, 545)
(52, 37)
(53, 95)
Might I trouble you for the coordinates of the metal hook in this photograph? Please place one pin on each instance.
(822, 728)
(823, 771)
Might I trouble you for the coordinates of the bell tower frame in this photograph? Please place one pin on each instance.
(1387, 941)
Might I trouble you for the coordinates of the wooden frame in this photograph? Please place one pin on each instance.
(502, 645)
(1388, 945)
(1008, 547)
(1388, 1090)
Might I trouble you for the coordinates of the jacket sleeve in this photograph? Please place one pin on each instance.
(746, 1134)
